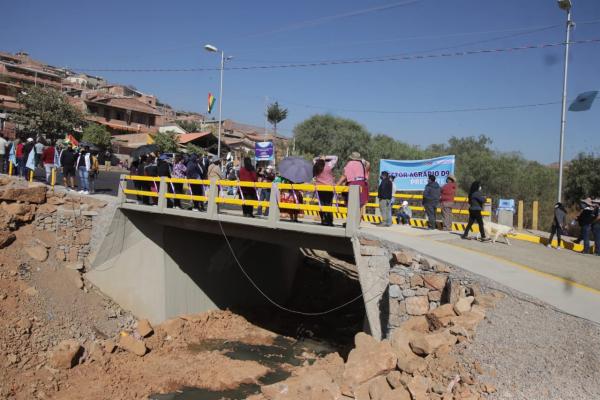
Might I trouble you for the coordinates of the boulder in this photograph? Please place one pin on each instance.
(452, 291)
(6, 238)
(418, 324)
(77, 265)
(378, 388)
(428, 343)
(446, 310)
(399, 393)
(34, 193)
(46, 209)
(434, 295)
(394, 379)
(417, 387)
(418, 305)
(463, 305)
(407, 360)
(367, 360)
(402, 257)
(19, 212)
(66, 355)
(416, 280)
(396, 279)
(109, 346)
(144, 329)
(395, 291)
(132, 345)
(486, 300)
(435, 281)
(173, 327)
(37, 252)
(468, 320)
(55, 201)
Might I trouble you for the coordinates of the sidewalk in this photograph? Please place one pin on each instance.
(534, 270)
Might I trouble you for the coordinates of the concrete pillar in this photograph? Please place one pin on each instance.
(520, 215)
(534, 220)
(162, 191)
(212, 208)
(487, 207)
(122, 185)
(354, 216)
(274, 205)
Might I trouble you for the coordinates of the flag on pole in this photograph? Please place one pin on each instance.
(211, 102)
(584, 101)
(71, 139)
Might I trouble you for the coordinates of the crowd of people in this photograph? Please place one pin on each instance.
(22, 157)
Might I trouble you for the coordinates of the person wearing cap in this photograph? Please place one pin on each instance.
(447, 201)
(404, 214)
(356, 172)
(431, 200)
(384, 195)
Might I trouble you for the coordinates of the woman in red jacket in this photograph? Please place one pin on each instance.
(248, 174)
(447, 201)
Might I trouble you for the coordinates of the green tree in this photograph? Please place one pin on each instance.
(582, 178)
(167, 142)
(97, 134)
(276, 114)
(194, 149)
(46, 111)
(190, 126)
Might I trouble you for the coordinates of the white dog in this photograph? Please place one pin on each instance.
(497, 230)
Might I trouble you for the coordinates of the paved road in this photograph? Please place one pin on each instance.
(548, 275)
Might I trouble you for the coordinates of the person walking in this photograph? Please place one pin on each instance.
(431, 200)
(68, 160)
(384, 194)
(48, 161)
(248, 174)
(83, 170)
(356, 172)
(404, 214)
(3, 147)
(323, 175)
(447, 201)
(586, 218)
(476, 202)
(559, 223)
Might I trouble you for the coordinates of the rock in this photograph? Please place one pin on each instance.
(395, 291)
(463, 305)
(31, 291)
(33, 193)
(422, 291)
(12, 359)
(399, 393)
(418, 305)
(73, 254)
(24, 326)
(55, 201)
(416, 280)
(417, 324)
(84, 236)
(428, 343)
(132, 345)
(452, 291)
(173, 327)
(396, 279)
(403, 257)
(362, 392)
(486, 300)
(6, 238)
(144, 329)
(367, 360)
(60, 255)
(89, 213)
(468, 320)
(427, 263)
(434, 295)
(37, 252)
(372, 251)
(109, 346)
(77, 265)
(19, 212)
(439, 267)
(66, 355)
(446, 310)
(369, 242)
(378, 388)
(393, 379)
(407, 360)
(489, 388)
(435, 281)
(47, 208)
(408, 293)
(417, 387)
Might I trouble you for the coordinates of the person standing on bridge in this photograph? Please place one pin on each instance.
(384, 194)
(194, 171)
(447, 201)
(179, 170)
(248, 174)
(596, 227)
(476, 202)
(559, 223)
(323, 175)
(431, 200)
(356, 172)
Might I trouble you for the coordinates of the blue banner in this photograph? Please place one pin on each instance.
(413, 174)
(264, 151)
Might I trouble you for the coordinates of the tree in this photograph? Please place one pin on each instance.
(276, 114)
(167, 142)
(190, 126)
(582, 179)
(46, 111)
(98, 135)
(194, 149)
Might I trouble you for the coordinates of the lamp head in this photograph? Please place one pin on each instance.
(211, 48)
(565, 4)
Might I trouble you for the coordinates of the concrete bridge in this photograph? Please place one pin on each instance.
(160, 261)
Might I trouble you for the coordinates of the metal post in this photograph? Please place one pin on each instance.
(563, 115)
(220, 104)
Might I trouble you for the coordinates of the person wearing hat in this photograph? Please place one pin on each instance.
(447, 201)
(559, 224)
(356, 172)
(404, 214)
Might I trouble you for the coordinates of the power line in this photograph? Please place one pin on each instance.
(345, 62)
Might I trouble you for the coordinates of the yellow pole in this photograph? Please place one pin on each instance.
(534, 221)
(10, 168)
(30, 175)
(520, 215)
(53, 178)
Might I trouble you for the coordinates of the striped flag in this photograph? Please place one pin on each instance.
(211, 102)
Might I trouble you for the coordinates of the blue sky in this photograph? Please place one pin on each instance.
(158, 34)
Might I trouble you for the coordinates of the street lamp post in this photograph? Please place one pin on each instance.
(565, 5)
(214, 49)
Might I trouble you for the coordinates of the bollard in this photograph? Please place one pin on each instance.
(520, 215)
(53, 178)
(534, 219)
(30, 175)
(10, 168)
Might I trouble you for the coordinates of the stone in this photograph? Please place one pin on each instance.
(77, 265)
(47, 208)
(66, 355)
(132, 345)
(426, 344)
(73, 254)
(34, 193)
(109, 346)
(427, 263)
(393, 379)
(463, 305)
(402, 257)
(144, 329)
(31, 291)
(6, 239)
(396, 279)
(367, 360)
(445, 310)
(37, 252)
(418, 305)
(19, 212)
(84, 236)
(489, 388)
(372, 251)
(452, 291)
(435, 281)
(422, 291)
(434, 295)
(439, 267)
(477, 309)
(416, 280)
(24, 326)
(407, 360)
(362, 392)
(486, 300)
(89, 213)
(417, 324)
(408, 292)
(468, 320)
(55, 201)
(395, 291)
(378, 388)
(417, 387)
(399, 393)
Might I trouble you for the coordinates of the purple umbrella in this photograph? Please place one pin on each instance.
(296, 169)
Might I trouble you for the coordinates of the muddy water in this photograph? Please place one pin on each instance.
(278, 357)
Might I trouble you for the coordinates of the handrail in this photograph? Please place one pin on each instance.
(457, 199)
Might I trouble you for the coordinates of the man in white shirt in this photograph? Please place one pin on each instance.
(39, 149)
(3, 155)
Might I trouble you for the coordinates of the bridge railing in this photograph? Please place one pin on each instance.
(461, 202)
(214, 195)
